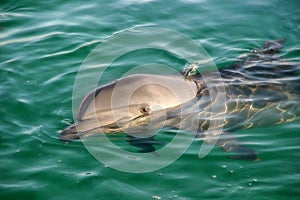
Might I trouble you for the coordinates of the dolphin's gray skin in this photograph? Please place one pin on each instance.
(131, 103)
(262, 89)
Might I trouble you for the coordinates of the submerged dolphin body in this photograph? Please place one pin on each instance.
(263, 89)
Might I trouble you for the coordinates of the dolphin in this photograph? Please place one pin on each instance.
(261, 89)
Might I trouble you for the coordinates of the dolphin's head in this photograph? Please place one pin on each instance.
(133, 104)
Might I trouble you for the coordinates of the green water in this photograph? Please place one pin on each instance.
(42, 45)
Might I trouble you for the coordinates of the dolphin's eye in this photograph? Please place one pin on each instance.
(144, 108)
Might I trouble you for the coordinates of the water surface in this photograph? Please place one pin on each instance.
(43, 44)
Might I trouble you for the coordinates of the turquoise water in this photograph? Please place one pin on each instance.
(43, 44)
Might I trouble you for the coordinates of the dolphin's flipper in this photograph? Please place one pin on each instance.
(144, 144)
(230, 144)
